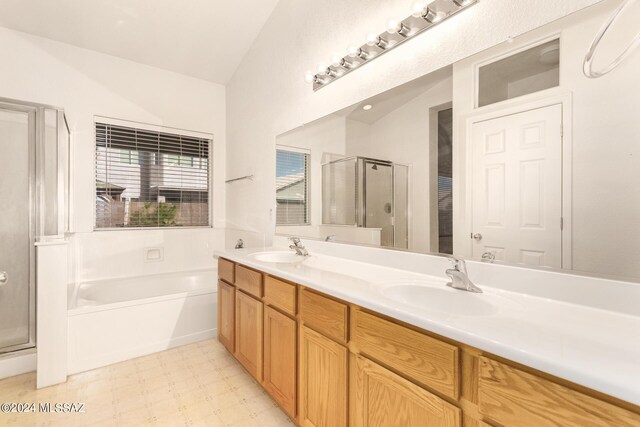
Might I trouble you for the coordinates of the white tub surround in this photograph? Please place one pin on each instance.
(51, 312)
(18, 362)
(119, 319)
(528, 316)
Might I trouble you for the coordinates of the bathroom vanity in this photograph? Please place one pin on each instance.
(331, 360)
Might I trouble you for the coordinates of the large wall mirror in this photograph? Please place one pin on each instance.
(509, 156)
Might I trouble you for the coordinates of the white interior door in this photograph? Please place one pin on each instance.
(517, 187)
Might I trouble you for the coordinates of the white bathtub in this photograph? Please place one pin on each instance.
(118, 319)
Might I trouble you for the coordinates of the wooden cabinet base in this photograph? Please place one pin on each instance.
(337, 364)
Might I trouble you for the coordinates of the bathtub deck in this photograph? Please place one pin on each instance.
(193, 385)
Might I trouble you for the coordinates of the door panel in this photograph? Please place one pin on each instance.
(280, 359)
(15, 229)
(323, 381)
(249, 333)
(517, 187)
(226, 315)
(380, 398)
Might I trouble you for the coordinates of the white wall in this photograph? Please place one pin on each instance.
(86, 83)
(268, 96)
(603, 132)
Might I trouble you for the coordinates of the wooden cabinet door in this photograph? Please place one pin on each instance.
(323, 381)
(280, 359)
(226, 315)
(378, 398)
(249, 333)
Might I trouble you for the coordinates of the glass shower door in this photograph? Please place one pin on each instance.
(17, 130)
(378, 199)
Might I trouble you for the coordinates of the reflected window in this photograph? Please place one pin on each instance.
(523, 73)
(292, 187)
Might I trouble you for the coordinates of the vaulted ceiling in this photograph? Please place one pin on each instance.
(206, 39)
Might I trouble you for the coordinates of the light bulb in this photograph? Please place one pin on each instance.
(418, 9)
(392, 26)
(372, 39)
(336, 60)
(322, 69)
(352, 51)
(308, 76)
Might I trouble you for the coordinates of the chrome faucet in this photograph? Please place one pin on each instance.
(298, 247)
(459, 278)
(330, 238)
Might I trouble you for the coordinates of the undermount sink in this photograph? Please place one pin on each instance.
(277, 257)
(440, 299)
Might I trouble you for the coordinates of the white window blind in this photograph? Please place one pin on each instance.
(292, 187)
(147, 178)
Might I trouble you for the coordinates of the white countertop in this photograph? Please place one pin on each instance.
(592, 347)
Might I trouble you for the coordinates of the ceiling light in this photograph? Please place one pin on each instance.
(308, 76)
(397, 32)
(367, 107)
(418, 9)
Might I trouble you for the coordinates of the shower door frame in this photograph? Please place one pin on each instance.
(362, 203)
(32, 112)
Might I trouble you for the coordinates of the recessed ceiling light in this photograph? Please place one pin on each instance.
(367, 107)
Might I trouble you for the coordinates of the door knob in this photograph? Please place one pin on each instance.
(4, 278)
(477, 236)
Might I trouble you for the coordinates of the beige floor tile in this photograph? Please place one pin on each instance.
(194, 385)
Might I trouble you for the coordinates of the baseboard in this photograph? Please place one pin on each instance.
(17, 363)
(132, 353)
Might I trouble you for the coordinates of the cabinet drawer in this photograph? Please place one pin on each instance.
(249, 281)
(425, 359)
(510, 396)
(378, 397)
(280, 294)
(226, 270)
(324, 315)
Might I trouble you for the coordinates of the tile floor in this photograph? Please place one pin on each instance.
(194, 385)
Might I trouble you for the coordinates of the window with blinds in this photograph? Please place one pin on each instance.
(147, 178)
(292, 187)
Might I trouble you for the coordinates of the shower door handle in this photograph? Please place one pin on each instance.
(4, 278)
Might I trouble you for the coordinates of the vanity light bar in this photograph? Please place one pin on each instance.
(424, 16)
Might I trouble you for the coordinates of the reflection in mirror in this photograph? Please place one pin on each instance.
(511, 155)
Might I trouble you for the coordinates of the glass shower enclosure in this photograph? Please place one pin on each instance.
(368, 193)
(34, 190)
